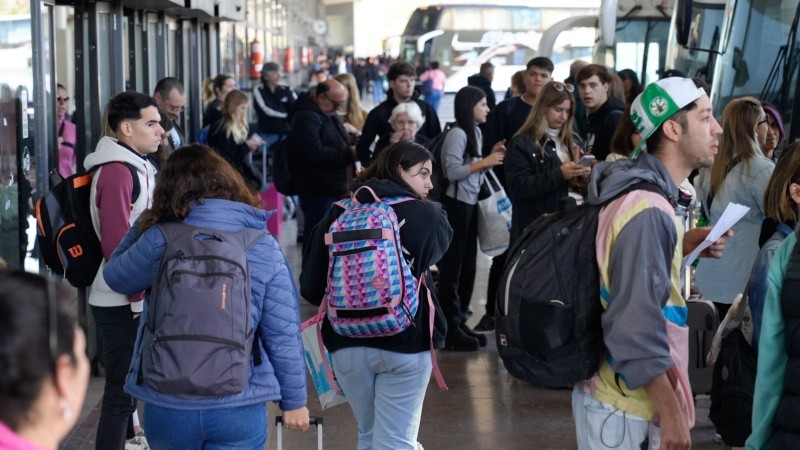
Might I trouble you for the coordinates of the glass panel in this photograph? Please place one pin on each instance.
(704, 35)
(16, 133)
(632, 38)
(753, 63)
(152, 49)
(103, 56)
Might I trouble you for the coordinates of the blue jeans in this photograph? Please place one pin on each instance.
(243, 427)
(385, 391)
(600, 426)
(434, 98)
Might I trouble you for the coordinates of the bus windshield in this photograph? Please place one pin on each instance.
(753, 62)
(641, 45)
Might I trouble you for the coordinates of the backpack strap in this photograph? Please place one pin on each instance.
(136, 191)
(431, 313)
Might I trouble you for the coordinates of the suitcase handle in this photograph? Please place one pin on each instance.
(317, 421)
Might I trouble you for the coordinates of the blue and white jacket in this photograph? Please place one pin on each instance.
(281, 376)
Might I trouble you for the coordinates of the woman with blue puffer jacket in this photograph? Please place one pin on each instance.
(199, 187)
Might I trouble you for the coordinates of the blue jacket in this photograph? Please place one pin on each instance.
(282, 374)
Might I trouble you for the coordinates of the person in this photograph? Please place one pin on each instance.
(508, 116)
(640, 397)
(437, 80)
(780, 211)
(170, 98)
(231, 137)
(616, 88)
(774, 421)
(739, 175)
(44, 371)
(375, 76)
(579, 122)
(385, 378)
(272, 102)
(502, 124)
(66, 134)
(630, 84)
(625, 140)
(401, 83)
(603, 111)
(517, 86)
(483, 80)
(134, 117)
(322, 153)
(354, 113)
(200, 188)
(221, 85)
(406, 120)
(542, 159)
(775, 132)
(463, 167)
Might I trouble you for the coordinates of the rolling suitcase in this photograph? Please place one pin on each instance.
(703, 322)
(313, 421)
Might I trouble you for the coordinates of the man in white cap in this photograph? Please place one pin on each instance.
(640, 397)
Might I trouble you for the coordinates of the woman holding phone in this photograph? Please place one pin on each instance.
(544, 160)
(229, 136)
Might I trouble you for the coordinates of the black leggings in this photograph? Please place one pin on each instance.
(457, 266)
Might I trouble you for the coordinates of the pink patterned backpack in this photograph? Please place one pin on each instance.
(371, 291)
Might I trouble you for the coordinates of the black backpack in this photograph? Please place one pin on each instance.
(548, 309)
(199, 336)
(732, 387)
(278, 166)
(64, 231)
(438, 177)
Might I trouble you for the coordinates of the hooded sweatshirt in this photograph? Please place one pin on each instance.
(639, 252)
(602, 125)
(112, 211)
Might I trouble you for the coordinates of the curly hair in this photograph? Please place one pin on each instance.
(193, 174)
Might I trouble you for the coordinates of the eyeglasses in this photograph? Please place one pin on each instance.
(336, 103)
(561, 87)
(62, 99)
(176, 109)
(766, 121)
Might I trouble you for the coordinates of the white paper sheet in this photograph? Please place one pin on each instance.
(732, 214)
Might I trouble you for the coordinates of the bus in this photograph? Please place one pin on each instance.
(462, 37)
(742, 47)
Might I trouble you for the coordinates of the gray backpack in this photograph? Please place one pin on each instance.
(199, 336)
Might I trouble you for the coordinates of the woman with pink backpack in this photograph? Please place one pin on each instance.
(385, 377)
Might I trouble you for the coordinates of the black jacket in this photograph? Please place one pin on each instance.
(485, 85)
(602, 125)
(235, 153)
(212, 113)
(377, 124)
(272, 108)
(319, 151)
(503, 122)
(535, 182)
(425, 234)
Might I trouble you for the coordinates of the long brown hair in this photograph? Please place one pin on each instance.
(355, 114)
(401, 154)
(778, 204)
(739, 121)
(193, 174)
(536, 125)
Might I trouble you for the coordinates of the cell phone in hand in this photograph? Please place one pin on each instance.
(256, 139)
(586, 160)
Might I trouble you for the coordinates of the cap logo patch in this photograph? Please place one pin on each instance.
(658, 106)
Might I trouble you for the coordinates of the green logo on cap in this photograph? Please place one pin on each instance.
(658, 106)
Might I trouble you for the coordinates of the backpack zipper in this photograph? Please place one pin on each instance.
(196, 337)
(508, 281)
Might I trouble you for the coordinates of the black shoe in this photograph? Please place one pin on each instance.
(457, 340)
(485, 324)
(482, 341)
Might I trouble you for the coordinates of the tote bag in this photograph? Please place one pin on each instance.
(319, 362)
(494, 216)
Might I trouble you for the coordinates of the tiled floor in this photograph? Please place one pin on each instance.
(484, 409)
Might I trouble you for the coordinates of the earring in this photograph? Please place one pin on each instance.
(66, 410)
